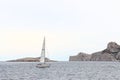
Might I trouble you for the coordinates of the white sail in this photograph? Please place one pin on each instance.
(42, 59)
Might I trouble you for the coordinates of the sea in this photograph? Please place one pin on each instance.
(84, 70)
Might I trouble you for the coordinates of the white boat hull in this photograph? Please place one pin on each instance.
(43, 65)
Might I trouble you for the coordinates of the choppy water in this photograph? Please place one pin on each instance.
(61, 71)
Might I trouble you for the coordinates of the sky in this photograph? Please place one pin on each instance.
(70, 27)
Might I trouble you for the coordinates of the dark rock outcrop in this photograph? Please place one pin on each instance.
(118, 56)
(111, 53)
(100, 56)
(113, 47)
(80, 57)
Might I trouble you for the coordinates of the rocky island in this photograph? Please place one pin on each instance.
(111, 53)
(30, 59)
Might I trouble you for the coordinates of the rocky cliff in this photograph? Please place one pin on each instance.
(80, 57)
(111, 53)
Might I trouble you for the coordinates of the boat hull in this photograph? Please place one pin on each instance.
(43, 65)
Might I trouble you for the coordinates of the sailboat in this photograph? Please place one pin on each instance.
(42, 58)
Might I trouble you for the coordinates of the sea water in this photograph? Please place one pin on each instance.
(85, 70)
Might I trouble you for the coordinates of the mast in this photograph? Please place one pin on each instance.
(42, 59)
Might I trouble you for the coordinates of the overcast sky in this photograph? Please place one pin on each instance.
(70, 27)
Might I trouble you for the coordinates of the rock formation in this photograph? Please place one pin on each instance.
(102, 56)
(111, 53)
(80, 57)
(118, 56)
(30, 59)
